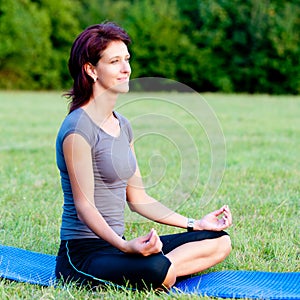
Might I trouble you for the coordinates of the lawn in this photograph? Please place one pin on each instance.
(195, 153)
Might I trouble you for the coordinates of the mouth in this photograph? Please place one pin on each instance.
(123, 79)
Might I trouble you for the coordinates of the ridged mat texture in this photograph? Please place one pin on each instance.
(243, 284)
(38, 268)
(27, 266)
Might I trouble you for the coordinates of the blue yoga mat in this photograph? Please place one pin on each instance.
(38, 268)
(27, 266)
(243, 284)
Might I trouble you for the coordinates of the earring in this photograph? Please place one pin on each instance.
(95, 79)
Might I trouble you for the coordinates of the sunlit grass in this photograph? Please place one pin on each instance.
(260, 181)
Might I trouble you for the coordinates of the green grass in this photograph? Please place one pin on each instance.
(176, 135)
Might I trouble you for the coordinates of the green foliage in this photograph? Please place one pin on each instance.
(210, 45)
(159, 31)
(64, 29)
(249, 45)
(35, 39)
(25, 48)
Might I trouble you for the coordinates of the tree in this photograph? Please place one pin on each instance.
(246, 46)
(64, 27)
(210, 45)
(36, 39)
(25, 48)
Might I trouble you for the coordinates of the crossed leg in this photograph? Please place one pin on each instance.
(194, 257)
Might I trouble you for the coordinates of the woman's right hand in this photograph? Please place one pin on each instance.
(144, 245)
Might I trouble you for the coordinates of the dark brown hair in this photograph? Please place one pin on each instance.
(87, 48)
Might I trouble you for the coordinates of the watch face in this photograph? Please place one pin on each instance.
(190, 223)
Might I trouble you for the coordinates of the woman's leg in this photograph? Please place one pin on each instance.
(170, 278)
(111, 266)
(196, 256)
(138, 271)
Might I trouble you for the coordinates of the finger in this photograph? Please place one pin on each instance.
(227, 209)
(224, 209)
(154, 238)
(157, 244)
(218, 211)
(148, 237)
(153, 245)
(229, 218)
(226, 222)
(228, 215)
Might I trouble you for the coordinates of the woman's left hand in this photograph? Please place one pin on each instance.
(213, 221)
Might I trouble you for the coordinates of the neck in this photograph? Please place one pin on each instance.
(101, 106)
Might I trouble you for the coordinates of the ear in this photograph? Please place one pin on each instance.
(90, 70)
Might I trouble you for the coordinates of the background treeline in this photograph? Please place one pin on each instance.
(210, 45)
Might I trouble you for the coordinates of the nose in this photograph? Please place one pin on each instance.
(126, 67)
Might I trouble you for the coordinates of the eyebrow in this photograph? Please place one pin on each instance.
(118, 56)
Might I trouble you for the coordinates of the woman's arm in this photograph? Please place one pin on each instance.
(139, 201)
(77, 153)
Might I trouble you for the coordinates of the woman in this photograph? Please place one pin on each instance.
(99, 173)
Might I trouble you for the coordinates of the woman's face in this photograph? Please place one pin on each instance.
(113, 68)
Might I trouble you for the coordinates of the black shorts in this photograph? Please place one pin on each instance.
(95, 261)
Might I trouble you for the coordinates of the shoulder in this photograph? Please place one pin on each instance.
(73, 119)
(71, 122)
(77, 122)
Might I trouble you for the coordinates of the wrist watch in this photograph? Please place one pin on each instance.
(190, 224)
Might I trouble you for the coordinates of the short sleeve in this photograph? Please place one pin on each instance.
(75, 122)
(78, 123)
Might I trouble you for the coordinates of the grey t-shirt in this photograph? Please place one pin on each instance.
(113, 164)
